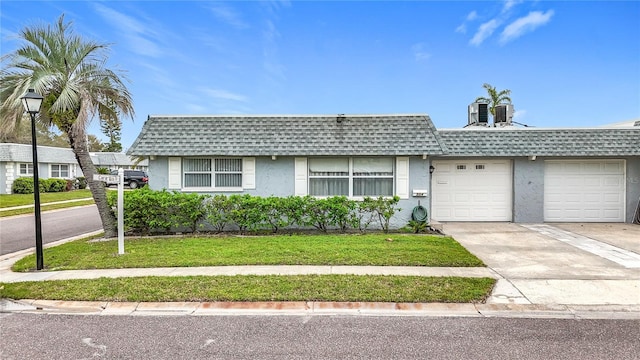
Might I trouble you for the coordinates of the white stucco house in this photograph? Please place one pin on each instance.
(53, 162)
(473, 174)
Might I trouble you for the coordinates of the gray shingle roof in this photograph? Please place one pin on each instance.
(287, 135)
(10, 152)
(543, 142)
(46, 154)
(106, 159)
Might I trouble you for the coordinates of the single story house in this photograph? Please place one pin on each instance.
(53, 162)
(530, 175)
(16, 161)
(475, 174)
(115, 160)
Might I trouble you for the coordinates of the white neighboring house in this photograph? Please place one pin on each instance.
(114, 161)
(53, 162)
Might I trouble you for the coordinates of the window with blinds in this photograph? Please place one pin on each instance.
(212, 173)
(26, 169)
(351, 176)
(59, 170)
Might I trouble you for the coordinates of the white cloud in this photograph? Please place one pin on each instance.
(524, 25)
(219, 94)
(228, 15)
(136, 33)
(472, 16)
(484, 31)
(508, 4)
(420, 52)
(463, 27)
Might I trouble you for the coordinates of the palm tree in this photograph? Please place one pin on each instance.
(70, 73)
(495, 98)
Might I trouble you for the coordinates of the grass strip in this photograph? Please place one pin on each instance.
(329, 249)
(258, 288)
(45, 207)
(10, 200)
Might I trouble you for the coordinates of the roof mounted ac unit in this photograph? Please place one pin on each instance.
(478, 114)
(504, 114)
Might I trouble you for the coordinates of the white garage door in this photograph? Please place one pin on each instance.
(584, 190)
(471, 190)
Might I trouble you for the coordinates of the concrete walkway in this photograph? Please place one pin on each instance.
(43, 204)
(526, 261)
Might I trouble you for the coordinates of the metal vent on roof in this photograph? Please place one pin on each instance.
(478, 114)
(504, 114)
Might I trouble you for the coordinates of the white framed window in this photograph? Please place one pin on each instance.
(352, 177)
(59, 170)
(216, 173)
(26, 169)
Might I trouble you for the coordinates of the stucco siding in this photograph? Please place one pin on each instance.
(528, 189)
(274, 177)
(277, 178)
(5, 185)
(633, 186)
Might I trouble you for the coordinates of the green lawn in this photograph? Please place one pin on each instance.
(10, 200)
(258, 288)
(369, 249)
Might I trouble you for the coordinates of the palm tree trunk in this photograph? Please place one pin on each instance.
(78, 144)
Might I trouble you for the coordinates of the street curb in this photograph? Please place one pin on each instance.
(313, 308)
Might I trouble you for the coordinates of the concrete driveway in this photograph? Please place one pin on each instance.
(577, 264)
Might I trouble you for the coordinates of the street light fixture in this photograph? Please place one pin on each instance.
(32, 102)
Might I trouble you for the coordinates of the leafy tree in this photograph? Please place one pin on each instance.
(494, 98)
(94, 144)
(45, 136)
(69, 71)
(112, 127)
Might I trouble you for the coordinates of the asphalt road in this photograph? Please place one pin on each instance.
(32, 336)
(18, 232)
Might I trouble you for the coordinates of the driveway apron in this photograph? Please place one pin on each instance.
(573, 264)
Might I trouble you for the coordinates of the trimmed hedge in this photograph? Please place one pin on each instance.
(147, 211)
(24, 185)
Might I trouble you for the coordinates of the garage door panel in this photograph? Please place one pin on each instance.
(613, 167)
(584, 190)
(472, 190)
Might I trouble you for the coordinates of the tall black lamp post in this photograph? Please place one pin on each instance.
(32, 102)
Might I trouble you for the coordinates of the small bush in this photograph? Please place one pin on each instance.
(147, 211)
(55, 185)
(23, 185)
(81, 182)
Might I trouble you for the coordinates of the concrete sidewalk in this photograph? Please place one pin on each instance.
(537, 276)
(43, 204)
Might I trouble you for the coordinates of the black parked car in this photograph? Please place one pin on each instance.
(132, 178)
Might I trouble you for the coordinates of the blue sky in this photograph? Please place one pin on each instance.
(567, 63)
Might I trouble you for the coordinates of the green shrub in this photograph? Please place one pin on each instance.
(384, 208)
(55, 185)
(147, 211)
(217, 210)
(23, 185)
(81, 182)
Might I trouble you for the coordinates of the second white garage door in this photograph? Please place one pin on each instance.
(584, 190)
(471, 190)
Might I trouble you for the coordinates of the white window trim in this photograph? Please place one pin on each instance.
(51, 166)
(300, 162)
(27, 172)
(248, 174)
